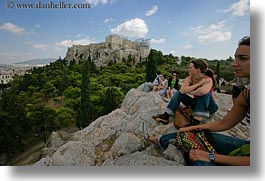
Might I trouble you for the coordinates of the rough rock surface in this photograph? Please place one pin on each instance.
(116, 139)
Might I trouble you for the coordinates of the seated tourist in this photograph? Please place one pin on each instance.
(196, 92)
(173, 83)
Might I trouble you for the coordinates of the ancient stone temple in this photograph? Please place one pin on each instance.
(115, 49)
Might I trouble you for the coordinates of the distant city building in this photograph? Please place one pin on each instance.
(115, 49)
(8, 71)
(5, 78)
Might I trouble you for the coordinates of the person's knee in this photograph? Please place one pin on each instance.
(176, 95)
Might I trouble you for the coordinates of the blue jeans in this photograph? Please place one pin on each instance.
(222, 143)
(202, 105)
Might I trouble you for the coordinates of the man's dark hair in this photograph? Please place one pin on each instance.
(244, 41)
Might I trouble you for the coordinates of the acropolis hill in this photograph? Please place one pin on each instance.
(115, 49)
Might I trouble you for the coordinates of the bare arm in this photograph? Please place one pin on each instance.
(206, 86)
(220, 159)
(233, 117)
(232, 160)
(187, 88)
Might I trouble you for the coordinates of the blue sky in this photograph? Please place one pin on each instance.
(198, 28)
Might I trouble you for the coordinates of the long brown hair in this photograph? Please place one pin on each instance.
(210, 73)
(203, 66)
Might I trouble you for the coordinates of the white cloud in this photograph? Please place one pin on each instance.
(185, 34)
(151, 11)
(68, 43)
(214, 33)
(216, 36)
(10, 54)
(240, 8)
(12, 28)
(162, 40)
(200, 29)
(96, 2)
(59, 46)
(186, 47)
(132, 28)
(40, 46)
(43, 47)
(108, 20)
(172, 52)
(12, 57)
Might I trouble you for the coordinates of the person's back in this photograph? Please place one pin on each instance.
(195, 92)
(157, 80)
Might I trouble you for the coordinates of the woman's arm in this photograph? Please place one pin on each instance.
(205, 88)
(187, 88)
(236, 115)
(232, 160)
(196, 155)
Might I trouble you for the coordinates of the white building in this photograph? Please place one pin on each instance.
(5, 78)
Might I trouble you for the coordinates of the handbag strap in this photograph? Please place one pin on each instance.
(202, 135)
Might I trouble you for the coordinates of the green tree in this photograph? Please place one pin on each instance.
(111, 99)
(85, 95)
(151, 66)
(65, 117)
(48, 90)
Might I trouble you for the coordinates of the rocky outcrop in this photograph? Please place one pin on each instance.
(116, 139)
(115, 49)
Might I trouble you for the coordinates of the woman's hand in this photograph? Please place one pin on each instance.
(196, 155)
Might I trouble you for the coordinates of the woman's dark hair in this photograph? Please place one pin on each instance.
(244, 41)
(175, 72)
(210, 73)
(201, 64)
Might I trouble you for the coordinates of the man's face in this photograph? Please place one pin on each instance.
(241, 64)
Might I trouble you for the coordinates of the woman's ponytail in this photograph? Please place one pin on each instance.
(210, 73)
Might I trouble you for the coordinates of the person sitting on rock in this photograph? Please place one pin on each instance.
(224, 144)
(196, 92)
(173, 85)
(149, 86)
(162, 87)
